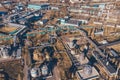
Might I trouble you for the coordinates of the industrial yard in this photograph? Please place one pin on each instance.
(59, 40)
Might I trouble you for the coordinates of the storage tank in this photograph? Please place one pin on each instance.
(87, 70)
(44, 70)
(34, 72)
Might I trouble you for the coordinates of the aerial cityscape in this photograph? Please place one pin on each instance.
(59, 39)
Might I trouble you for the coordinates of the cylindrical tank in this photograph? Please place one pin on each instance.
(44, 70)
(34, 72)
(87, 69)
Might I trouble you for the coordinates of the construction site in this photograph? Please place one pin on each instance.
(59, 40)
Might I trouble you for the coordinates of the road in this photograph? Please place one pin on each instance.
(25, 70)
(109, 44)
(56, 73)
(8, 60)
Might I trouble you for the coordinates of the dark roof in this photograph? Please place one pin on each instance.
(73, 21)
(109, 67)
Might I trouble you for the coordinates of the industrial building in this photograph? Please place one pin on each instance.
(37, 7)
(39, 0)
(87, 73)
(60, 39)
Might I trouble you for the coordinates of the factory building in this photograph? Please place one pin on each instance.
(40, 73)
(106, 68)
(7, 52)
(99, 32)
(37, 56)
(72, 22)
(3, 11)
(75, 1)
(38, 7)
(87, 73)
(4, 52)
(39, 0)
(12, 34)
(41, 22)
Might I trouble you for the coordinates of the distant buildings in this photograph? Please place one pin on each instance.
(73, 22)
(75, 1)
(39, 0)
(37, 6)
(3, 11)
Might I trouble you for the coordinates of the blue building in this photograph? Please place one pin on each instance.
(3, 13)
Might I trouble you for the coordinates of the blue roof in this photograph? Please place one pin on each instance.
(3, 12)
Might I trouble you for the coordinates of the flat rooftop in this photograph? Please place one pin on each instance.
(73, 22)
(3, 9)
(82, 61)
(83, 76)
(109, 68)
